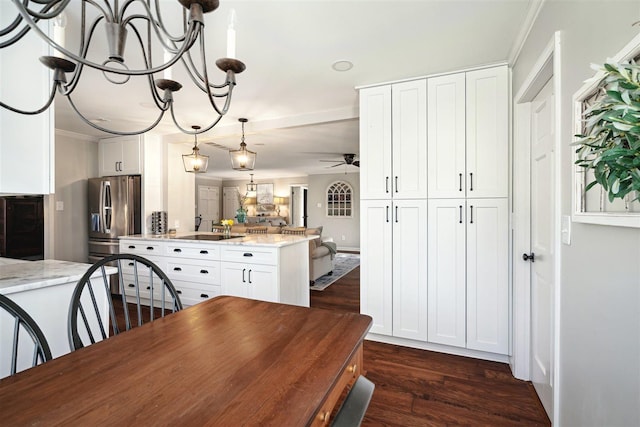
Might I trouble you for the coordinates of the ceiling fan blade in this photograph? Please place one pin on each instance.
(331, 161)
(335, 166)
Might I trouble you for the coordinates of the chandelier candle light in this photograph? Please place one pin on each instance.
(145, 20)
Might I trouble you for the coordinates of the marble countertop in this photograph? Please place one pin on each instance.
(19, 275)
(273, 240)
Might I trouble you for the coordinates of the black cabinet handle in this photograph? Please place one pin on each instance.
(247, 254)
(177, 269)
(460, 177)
(386, 184)
(396, 184)
(177, 250)
(471, 214)
(178, 291)
(131, 247)
(460, 214)
(387, 213)
(203, 252)
(204, 296)
(149, 248)
(471, 181)
(396, 214)
(528, 257)
(243, 270)
(204, 272)
(131, 285)
(250, 276)
(148, 287)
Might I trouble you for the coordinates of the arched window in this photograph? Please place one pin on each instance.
(339, 200)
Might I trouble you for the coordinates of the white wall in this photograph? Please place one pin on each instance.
(181, 190)
(76, 160)
(334, 227)
(599, 368)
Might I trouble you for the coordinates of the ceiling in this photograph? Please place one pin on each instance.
(300, 110)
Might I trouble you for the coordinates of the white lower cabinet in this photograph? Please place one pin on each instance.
(247, 280)
(468, 283)
(393, 266)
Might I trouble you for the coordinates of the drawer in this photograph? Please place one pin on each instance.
(128, 266)
(140, 247)
(193, 270)
(250, 254)
(192, 250)
(192, 293)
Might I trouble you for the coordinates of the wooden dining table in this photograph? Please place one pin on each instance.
(227, 361)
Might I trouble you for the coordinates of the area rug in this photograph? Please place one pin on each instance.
(342, 264)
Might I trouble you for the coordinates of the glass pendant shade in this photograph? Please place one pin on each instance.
(252, 188)
(242, 159)
(195, 162)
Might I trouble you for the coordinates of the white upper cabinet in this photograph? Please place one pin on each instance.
(393, 137)
(375, 142)
(120, 156)
(468, 134)
(487, 132)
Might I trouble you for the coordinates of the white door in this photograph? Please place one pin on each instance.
(375, 142)
(410, 269)
(542, 244)
(447, 271)
(208, 206)
(230, 203)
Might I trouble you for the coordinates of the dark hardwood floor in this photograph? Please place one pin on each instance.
(424, 388)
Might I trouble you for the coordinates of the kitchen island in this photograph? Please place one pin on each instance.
(203, 265)
(43, 289)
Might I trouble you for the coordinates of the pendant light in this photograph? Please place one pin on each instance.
(242, 159)
(251, 188)
(195, 162)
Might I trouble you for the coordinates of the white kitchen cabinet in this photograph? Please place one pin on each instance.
(393, 267)
(248, 280)
(468, 283)
(393, 135)
(468, 134)
(120, 156)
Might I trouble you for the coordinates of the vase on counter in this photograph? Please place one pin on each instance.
(226, 230)
(241, 215)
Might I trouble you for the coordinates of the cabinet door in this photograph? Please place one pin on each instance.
(410, 269)
(446, 136)
(409, 141)
(262, 282)
(447, 271)
(233, 276)
(131, 155)
(110, 156)
(375, 142)
(487, 132)
(487, 275)
(120, 156)
(376, 264)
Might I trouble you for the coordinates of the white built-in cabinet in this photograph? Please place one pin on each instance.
(434, 210)
(120, 156)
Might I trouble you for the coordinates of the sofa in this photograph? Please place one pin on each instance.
(321, 252)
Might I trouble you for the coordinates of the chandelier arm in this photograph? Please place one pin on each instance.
(108, 13)
(203, 55)
(160, 22)
(202, 130)
(38, 111)
(44, 13)
(115, 132)
(16, 23)
(12, 26)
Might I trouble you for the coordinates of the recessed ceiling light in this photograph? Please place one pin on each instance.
(342, 65)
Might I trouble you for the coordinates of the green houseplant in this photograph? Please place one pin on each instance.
(610, 143)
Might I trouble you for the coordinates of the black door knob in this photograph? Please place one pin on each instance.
(528, 257)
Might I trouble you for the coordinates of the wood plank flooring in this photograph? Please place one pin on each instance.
(423, 388)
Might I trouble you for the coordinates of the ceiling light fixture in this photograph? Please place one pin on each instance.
(147, 23)
(195, 162)
(242, 159)
(251, 187)
(342, 65)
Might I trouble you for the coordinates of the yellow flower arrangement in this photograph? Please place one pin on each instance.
(228, 222)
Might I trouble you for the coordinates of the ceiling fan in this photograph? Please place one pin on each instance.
(349, 159)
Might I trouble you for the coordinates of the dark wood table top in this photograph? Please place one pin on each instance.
(226, 361)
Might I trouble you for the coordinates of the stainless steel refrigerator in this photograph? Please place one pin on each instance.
(114, 210)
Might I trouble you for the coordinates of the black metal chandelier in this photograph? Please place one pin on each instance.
(118, 19)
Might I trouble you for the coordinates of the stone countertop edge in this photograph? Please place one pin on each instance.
(22, 276)
(272, 240)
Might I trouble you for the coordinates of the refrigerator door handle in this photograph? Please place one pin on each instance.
(106, 206)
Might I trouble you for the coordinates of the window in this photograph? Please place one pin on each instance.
(339, 199)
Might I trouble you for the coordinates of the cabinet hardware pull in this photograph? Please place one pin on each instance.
(387, 213)
(177, 269)
(396, 184)
(528, 257)
(131, 285)
(177, 250)
(149, 248)
(460, 214)
(204, 296)
(148, 287)
(471, 214)
(203, 252)
(352, 368)
(386, 184)
(247, 254)
(396, 214)
(130, 264)
(204, 272)
(460, 177)
(471, 183)
(178, 291)
(243, 270)
(131, 247)
(324, 416)
(250, 276)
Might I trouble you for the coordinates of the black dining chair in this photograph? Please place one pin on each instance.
(143, 294)
(24, 326)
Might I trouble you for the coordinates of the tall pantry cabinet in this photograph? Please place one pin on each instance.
(440, 276)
